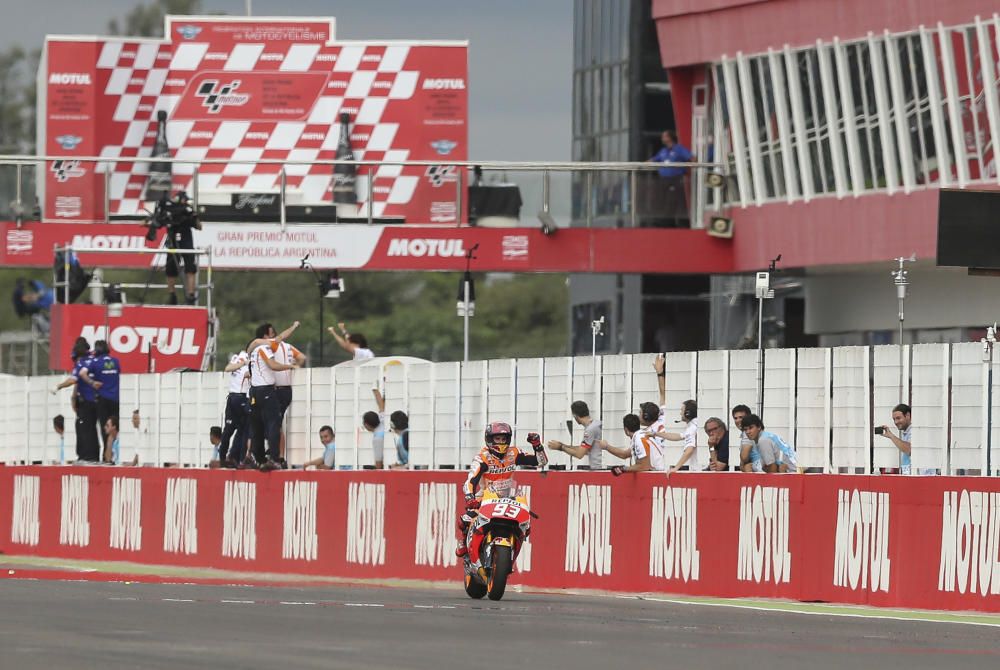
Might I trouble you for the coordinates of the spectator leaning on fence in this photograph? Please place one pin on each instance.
(592, 434)
(718, 444)
(374, 423)
(642, 445)
(739, 413)
(901, 417)
(328, 461)
(773, 453)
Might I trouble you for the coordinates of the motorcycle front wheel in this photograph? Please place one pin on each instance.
(502, 566)
(473, 588)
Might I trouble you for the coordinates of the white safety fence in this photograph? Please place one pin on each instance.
(824, 401)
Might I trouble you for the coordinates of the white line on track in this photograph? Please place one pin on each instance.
(239, 602)
(177, 600)
(791, 609)
(122, 598)
(294, 602)
(363, 605)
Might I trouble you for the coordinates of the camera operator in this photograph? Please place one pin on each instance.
(180, 220)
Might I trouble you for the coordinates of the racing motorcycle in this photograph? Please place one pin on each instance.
(499, 529)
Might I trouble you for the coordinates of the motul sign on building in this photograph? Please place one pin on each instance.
(164, 338)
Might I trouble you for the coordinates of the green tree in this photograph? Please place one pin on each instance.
(147, 20)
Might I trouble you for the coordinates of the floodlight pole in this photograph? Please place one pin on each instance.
(900, 280)
(466, 299)
(764, 292)
(304, 264)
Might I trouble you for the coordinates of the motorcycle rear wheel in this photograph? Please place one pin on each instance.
(473, 588)
(502, 566)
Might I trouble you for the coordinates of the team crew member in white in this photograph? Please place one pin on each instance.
(237, 410)
(289, 355)
(265, 410)
(689, 415)
(652, 420)
(592, 433)
(641, 445)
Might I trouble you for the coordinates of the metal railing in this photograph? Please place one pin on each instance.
(598, 189)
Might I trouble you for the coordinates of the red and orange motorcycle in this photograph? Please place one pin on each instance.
(494, 541)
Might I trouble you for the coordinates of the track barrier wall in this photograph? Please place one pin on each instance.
(917, 542)
(823, 401)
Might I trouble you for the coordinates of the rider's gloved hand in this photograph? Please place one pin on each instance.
(471, 503)
(535, 441)
(617, 470)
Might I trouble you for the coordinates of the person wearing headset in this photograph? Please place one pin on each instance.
(689, 456)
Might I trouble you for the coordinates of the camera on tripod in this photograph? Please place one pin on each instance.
(170, 214)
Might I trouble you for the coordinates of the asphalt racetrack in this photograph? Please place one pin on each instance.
(49, 624)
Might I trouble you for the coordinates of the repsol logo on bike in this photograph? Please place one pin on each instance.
(420, 247)
(24, 517)
(299, 539)
(366, 523)
(66, 78)
(109, 241)
(126, 514)
(74, 526)
(435, 544)
(588, 529)
(239, 520)
(215, 96)
(126, 339)
(66, 170)
(763, 539)
(673, 535)
(861, 554)
(180, 516)
(970, 543)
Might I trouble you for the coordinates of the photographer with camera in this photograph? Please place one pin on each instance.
(901, 419)
(180, 220)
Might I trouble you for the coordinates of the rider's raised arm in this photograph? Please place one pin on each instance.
(539, 458)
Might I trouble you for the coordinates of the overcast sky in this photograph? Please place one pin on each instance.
(520, 53)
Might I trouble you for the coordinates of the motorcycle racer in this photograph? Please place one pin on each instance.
(495, 463)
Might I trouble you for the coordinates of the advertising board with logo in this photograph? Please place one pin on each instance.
(911, 542)
(250, 90)
(143, 337)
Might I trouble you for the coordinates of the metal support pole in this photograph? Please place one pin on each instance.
(545, 191)
(901, 281)
(107, 197)
(760, 356)
(465, 320)
(589, 182)
(283, 182)
(458, 195)
(321, 329)
(633, 178)
(19, 214)
(194, 187)
(371, 194)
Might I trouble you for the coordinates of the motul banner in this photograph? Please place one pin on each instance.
(915, 542)
(264, 246)
(143, 338)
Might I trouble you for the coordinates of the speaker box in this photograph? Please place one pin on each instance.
(720, 226)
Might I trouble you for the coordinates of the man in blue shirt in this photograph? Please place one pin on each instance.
(88, 445)
(104, 371)
(674, 199)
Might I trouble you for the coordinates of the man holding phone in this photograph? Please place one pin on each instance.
(900, 417)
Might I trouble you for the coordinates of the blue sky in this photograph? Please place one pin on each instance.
(520, 54)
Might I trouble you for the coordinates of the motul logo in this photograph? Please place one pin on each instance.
(366, 524)
(763, 548)
(435, 525)
(180, 516)
(588, 530)
(673, 537)
(447, 84)
(109, 241)
(126, 339)
(24, 518)
(126, 514)
(970, 542)
(426, 247)
(299, 540)
(74, 527)
(861, 557)
(239, 521)
(69, 78)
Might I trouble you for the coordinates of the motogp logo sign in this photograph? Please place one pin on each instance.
(66, 170)
(215, 97)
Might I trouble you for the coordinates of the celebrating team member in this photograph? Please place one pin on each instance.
(642, 445)
(265, 410)
(591, 436)
(237, 410)
(103, 372)
(355, 344)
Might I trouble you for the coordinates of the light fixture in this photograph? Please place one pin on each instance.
(332, 284)
(460, 305)
(114, 300)
(720, 226)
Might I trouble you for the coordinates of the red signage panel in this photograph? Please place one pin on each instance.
(142, 338)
